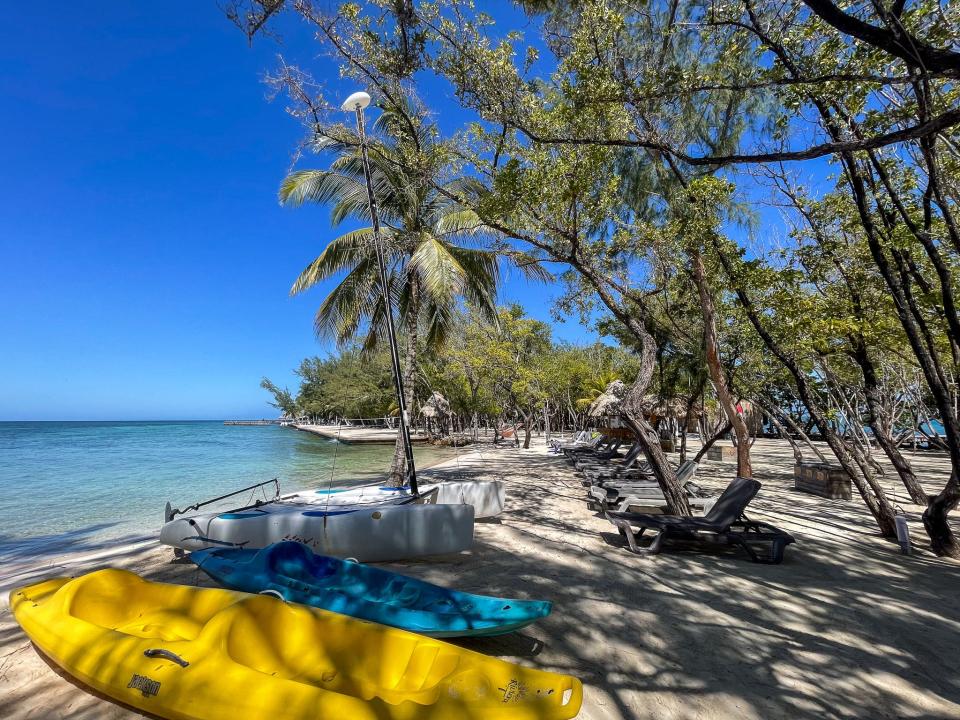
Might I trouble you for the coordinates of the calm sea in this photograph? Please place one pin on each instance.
(72, 485)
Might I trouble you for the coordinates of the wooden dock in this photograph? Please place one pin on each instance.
(251, 422)
(352, 434)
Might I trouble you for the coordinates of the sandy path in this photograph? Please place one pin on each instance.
(846, 627)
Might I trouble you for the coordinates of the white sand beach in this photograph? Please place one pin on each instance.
(846, 627)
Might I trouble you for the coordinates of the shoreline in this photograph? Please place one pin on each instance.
(845, 627)
(23, 559)
(113, 492)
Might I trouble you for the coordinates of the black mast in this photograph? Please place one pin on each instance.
(356, 103)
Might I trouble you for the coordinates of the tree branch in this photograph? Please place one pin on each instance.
(933, 126)
(912, 50)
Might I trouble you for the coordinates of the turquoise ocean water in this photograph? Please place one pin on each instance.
(73, 485)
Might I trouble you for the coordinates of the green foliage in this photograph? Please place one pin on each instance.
(348, 385)
(587, 148)
(509, 368)
(283, 400)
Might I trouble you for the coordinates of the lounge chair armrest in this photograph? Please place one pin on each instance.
(755, 526)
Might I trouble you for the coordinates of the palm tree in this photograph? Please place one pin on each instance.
(431, 242)
(595, 386)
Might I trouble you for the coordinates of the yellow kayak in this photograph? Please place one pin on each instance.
(203, 654)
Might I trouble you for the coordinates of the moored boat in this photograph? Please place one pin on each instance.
(376, 533)
(487, 496)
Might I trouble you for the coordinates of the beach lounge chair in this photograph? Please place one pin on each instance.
(725, 524)
(618, 476)
(605, 450)
(583, 437)
(596, 443)
(641, 475)
(596, 463)
(645, 498)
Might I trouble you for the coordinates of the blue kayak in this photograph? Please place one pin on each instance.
(291, 571)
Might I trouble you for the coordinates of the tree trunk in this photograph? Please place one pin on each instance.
(910, 317)
(398, 466)
(881, 427)
(546, 422)
(527, 429)
(711, 345)
(791, 423)
(797, 452)
(708, 442)
(633, 412)
(942, 539)
(865, 482)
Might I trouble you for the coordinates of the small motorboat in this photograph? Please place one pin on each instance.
(292, 572)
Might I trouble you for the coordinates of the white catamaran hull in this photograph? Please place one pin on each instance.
(358, 496)
(372, 534)
(486, 496)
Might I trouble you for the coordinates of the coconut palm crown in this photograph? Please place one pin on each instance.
(430, 242)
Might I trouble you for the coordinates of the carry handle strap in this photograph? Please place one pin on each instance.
(166, 655)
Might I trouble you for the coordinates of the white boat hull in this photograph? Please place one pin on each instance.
(486, 496)
(357, 496)
(369, 534)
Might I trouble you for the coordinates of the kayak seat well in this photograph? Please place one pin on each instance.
(295, 561)
(273, 638)
(163, 625)
(123, 602)
(288, 641)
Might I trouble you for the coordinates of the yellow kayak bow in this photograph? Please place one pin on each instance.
(190, 653)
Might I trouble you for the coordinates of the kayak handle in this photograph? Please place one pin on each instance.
(166, 655)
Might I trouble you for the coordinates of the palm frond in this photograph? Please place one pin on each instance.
(320, 186)
(440, 319)
(461, 221)
(376, 328)
(343, 310)
(482, 277)
(340, 254)
(530, 267)
(434, 246)
(437, 268)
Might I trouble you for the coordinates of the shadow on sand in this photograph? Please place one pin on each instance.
(844, 628)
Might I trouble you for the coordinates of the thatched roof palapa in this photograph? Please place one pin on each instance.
(608, 404)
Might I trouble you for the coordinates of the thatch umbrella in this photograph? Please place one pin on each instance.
(608, 403)
(436, 406)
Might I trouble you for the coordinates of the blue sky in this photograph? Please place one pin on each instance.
(145, 260)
